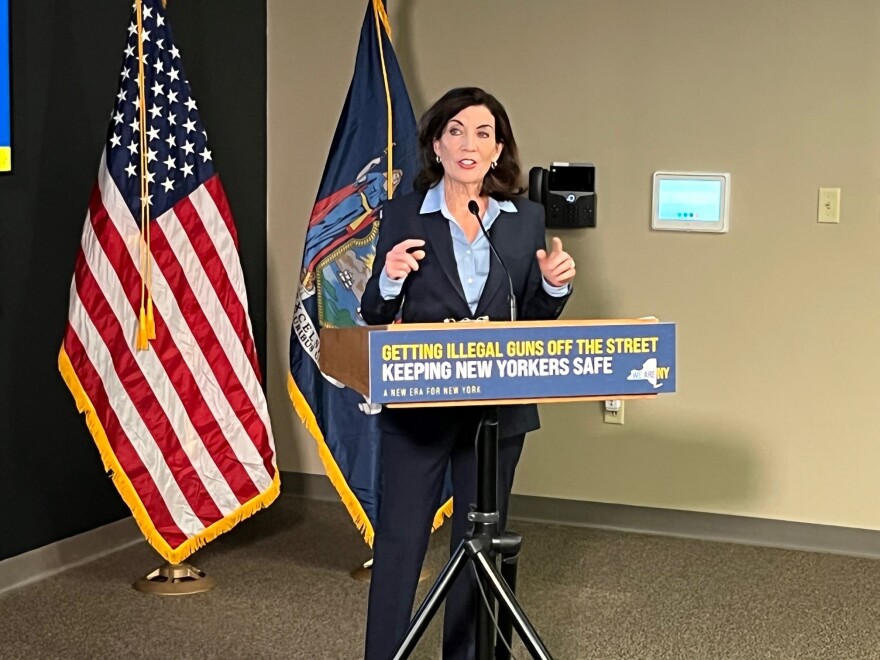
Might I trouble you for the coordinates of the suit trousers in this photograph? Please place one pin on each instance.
(414, 469)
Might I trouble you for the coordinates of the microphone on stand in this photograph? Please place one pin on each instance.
(474, 208)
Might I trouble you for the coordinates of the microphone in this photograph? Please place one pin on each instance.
(474, 208)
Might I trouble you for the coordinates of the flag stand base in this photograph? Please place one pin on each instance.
(175, 580)
(364, 572)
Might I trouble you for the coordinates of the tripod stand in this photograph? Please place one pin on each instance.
(479, 547)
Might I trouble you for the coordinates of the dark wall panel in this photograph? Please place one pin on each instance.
(65, 62)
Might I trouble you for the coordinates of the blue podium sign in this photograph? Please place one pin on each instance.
(490, 361)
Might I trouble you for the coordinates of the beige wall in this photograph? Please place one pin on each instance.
(777, 411)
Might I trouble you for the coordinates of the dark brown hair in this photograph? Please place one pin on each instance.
(501, 182)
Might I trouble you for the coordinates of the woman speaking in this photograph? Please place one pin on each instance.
(434, 263)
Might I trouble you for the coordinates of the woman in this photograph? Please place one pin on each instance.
(433, 263)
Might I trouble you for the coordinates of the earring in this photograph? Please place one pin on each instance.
(438, 158)
(494, 164)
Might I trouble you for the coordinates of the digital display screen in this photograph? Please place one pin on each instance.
(5, 91)
(690, 200)
(572, 178)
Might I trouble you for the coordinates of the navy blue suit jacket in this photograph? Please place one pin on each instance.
(434, 293)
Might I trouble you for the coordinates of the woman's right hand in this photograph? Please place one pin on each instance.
(400, 262)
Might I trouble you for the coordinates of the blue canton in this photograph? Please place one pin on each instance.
(178, 158)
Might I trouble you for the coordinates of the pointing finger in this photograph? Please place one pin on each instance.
(410, 243)
(408, 259)
(557, 244)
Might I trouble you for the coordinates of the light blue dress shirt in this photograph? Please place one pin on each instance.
(472, 259)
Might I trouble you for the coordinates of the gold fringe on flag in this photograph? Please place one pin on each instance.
(354, 507)
(129, 494)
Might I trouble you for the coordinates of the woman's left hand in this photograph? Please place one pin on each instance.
(558, 266)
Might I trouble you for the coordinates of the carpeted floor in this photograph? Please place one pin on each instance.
(284, 591)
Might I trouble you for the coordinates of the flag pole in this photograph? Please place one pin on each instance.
(170, 579)
(364, 572)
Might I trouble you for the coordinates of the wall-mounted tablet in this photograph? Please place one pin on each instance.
(691, 201)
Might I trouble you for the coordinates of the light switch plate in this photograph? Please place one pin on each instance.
(829, 205)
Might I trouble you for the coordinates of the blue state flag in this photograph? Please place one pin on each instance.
(373, 156)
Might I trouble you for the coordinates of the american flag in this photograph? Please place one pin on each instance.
(182, 426)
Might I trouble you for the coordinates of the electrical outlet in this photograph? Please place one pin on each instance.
(829, 205)
(614, 416)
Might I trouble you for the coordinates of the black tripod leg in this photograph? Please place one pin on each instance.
(507, 602)
(505, 622)
(431, 604)
(485, 628)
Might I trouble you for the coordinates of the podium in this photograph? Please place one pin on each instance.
(492, 364)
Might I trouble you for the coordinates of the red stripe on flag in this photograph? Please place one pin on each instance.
(178, 372)
(128, 458)
(211, 347)
(194, 227)
(139, 391)
(215, 190)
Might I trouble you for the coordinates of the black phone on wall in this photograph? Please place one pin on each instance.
(567, 191)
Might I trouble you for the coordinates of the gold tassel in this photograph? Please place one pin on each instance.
(142, 343)
(151, 324)
(146, 324)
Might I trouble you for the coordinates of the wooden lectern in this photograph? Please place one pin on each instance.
(492, 364)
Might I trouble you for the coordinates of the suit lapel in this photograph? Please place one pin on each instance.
(440, 240)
